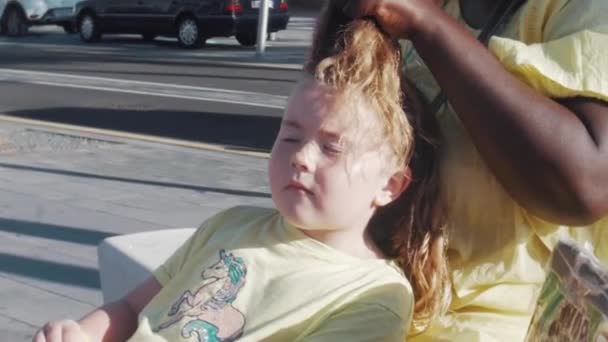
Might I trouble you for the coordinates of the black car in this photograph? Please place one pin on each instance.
(192, 21)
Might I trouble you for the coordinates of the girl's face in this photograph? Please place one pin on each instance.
(324, 173)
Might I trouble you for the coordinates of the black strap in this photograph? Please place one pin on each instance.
(497, 20)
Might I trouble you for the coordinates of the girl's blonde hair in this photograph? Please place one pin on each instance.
(356, 56)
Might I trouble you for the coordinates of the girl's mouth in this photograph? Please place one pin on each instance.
(295, 185)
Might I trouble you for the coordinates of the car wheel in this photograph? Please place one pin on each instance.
(88, 28)
(69, 28)
(15, 23)
(189, 34)
(246, 38)
(148, 37)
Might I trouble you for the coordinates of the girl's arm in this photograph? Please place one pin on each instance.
(550, 155)
(115, 321)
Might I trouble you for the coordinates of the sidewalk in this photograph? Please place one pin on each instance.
(62, 192)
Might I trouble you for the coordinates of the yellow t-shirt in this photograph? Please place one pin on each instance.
(247, 275)
(498, 250)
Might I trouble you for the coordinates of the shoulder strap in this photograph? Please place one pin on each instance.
(497, 20)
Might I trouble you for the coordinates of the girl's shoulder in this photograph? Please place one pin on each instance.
(239, 215)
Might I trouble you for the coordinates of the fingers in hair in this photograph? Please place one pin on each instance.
(359, 8)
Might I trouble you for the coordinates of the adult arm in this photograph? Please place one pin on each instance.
(550, 155)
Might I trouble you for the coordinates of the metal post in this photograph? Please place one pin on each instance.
(262, 27)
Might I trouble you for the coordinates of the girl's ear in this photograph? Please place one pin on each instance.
(396, 184)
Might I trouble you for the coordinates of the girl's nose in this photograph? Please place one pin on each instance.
(302, 160)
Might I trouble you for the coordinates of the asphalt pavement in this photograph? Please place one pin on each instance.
(113, 160)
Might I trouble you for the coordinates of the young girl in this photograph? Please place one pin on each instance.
(357, 212)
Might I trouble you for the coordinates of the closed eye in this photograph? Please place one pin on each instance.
(332, 149)
(291, 140)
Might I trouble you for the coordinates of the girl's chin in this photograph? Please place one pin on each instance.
(295, 209)
(299, 219)
(305, 223)
(295, 219)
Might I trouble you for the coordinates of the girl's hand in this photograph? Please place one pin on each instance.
(61, 331)
(398, 18)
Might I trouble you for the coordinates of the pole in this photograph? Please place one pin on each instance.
(262, 28)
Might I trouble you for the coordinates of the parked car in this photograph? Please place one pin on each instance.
(16, 16)
(192, 21)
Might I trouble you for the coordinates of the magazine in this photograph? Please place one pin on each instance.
(573, 303)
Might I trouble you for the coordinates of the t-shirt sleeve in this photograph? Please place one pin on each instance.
(361, 323)
(562, 52)
(177, 260)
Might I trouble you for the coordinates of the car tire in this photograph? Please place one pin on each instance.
(189, 34)
(15, 22)
(89, 28)
(148, 37)
(69, 28)
(246, 38)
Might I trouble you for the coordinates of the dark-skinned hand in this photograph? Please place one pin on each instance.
(398, 18)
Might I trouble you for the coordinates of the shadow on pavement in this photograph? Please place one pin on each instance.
(234, 131)
(50, 271)
(53, 232)
(136, 181)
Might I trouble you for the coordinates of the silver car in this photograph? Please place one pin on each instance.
(16, 16)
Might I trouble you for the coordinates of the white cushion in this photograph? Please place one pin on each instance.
(127, 260)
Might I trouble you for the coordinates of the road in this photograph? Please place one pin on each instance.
(221, 94)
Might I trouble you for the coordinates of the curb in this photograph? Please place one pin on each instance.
(134, 136)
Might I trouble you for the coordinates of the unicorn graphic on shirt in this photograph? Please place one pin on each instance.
(209, 311)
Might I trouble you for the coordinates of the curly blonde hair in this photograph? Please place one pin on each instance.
(355, 56)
